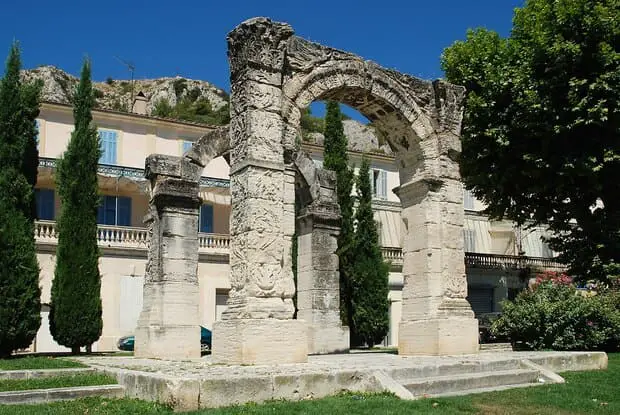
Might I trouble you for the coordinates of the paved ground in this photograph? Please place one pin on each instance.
(203, 368)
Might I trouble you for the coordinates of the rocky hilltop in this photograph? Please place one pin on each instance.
(58, 86)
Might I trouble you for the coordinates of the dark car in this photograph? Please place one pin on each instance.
(126, 343)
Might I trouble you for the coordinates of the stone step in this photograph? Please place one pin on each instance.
(43, 373)
(440, 385)
(496, 347)
(35, 396)
(463, 367)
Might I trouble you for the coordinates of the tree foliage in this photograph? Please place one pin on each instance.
(541, 135)
(336, 159)
(193, 108)
(75, 318)
(20, 294)
(369, 286)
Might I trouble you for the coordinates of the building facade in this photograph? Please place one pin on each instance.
(497, 253)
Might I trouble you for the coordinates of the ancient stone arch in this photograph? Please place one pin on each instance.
(274, 75)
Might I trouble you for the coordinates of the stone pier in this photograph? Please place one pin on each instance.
(168, 326)
(318, 276)
(258, 325)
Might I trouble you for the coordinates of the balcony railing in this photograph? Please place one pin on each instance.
(211, 243)
(495, 261)
(125, 237)
(393, 255)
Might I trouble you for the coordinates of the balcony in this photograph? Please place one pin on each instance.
(495, 261)
(129, 238)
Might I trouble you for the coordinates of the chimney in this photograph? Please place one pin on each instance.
(139, 104)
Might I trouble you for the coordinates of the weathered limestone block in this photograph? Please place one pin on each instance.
(256, 136)
(438, 336)
(260, 341)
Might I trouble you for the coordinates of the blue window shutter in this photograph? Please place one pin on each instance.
(106, 215)
(206, 219)
(186, 146)
(124, 211)
(45, 204)
(108, 147)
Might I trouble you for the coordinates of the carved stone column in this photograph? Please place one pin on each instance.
(168, 327)
(257, 327)
(318, 277)
(436, 317)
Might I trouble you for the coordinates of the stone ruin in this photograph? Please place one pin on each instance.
(274, 76)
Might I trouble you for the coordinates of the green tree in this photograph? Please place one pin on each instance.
(370, 306)
(75, 318)
(541, 132)
(20, 294)
(336, 159)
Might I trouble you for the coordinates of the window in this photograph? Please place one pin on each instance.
(221, 299)
(469, 235)
(378, 180)
(468, 200)
(45, 203)
(114, 210)
(187, 145)
(107, 140)
(205, 222)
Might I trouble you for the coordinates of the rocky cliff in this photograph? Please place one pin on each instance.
(58, 86)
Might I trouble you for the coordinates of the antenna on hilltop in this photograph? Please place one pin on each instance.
(132, 69)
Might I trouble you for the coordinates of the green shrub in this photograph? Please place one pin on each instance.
(560, 317)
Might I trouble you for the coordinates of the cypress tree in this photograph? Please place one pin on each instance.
(75, 317)
(20, 295)
(336, 159)
(370, 288)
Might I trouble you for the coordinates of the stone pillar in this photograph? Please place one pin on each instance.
(436, 317)
(257, 327)
(318, 277)
(168, 327)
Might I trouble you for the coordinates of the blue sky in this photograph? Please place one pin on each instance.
(188, 38)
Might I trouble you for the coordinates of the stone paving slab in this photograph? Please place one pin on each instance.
(43, 373)
(59, 394)
(200, 383)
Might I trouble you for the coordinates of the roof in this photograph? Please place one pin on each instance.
(139, 116)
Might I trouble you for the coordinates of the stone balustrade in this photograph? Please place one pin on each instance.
(137, 238)
(126, 237)
(393, 255)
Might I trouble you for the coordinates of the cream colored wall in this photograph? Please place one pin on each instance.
(113, 268)
(212, 276)
(218, 167)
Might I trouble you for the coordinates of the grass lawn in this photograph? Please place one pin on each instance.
(83, 379)
(37, 362)
(584, 393)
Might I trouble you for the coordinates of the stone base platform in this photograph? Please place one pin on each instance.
(201, 383)
(260, 341)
